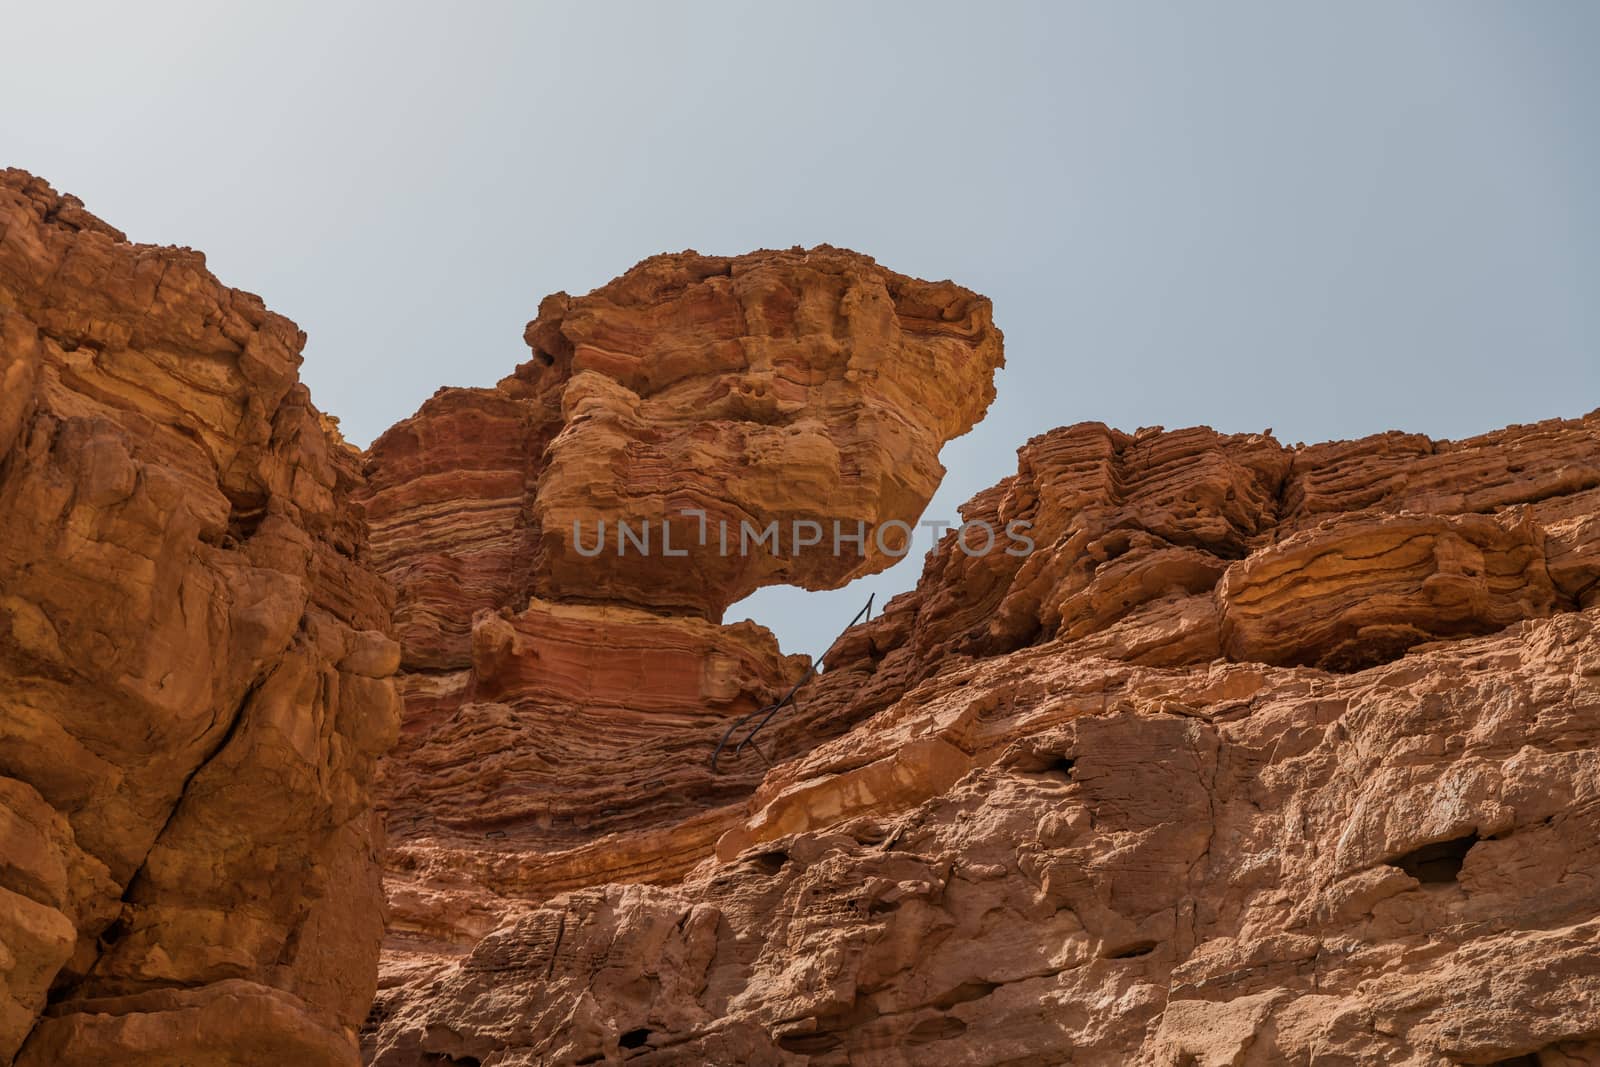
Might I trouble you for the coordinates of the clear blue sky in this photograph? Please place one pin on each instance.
(1330, 219)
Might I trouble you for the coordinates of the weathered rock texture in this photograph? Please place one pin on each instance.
(558, 701)
(775, 388)
(1265, 755)
(194, 678)
(807, 387)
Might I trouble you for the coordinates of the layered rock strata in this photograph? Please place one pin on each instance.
(194, 674)
(706, 394)
(1264, 755)
(564, 544)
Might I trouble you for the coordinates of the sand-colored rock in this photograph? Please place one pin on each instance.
(550, 764)
(1349, 593)
(1140, 865)
(193, 669)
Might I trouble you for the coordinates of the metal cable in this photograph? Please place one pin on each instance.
(788, 698)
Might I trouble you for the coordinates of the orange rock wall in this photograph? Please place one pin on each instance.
(1265, 755)
(194, 671)
(561, 704)
(705, 392)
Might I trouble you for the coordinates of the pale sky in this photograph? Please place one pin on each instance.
(1331, 220)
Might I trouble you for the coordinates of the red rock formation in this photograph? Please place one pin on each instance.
(577, 732)
(194, 681)
(801, 387)
(1264, 756)
(561, 704)
(781, 387)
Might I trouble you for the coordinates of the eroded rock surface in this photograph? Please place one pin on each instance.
(194, 674)
(1264, 755)
(559, 700)
(716, 395)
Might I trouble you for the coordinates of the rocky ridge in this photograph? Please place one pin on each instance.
(1264, 755)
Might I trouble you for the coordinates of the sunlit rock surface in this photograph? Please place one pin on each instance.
(1264, 755)
(751, 402)
(194, 675)
(562, 699)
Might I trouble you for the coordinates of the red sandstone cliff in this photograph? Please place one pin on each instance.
(1266, 755)
(194, 677)
(562, 705)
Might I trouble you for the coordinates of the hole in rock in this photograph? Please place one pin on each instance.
(1115, 545)
(242, 525)
(1046, 764)
(114, 933)
(246, 512)
(869, 832)
(811, 621)
(1131, 951)
(1531, 1059)
(440, 1059)
(634, 1038)
(1379, 644)
(1438, 863)
(1061, 766)
(770, 862)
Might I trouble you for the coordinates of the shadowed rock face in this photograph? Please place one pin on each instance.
(194, 678)
(1265, 755)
